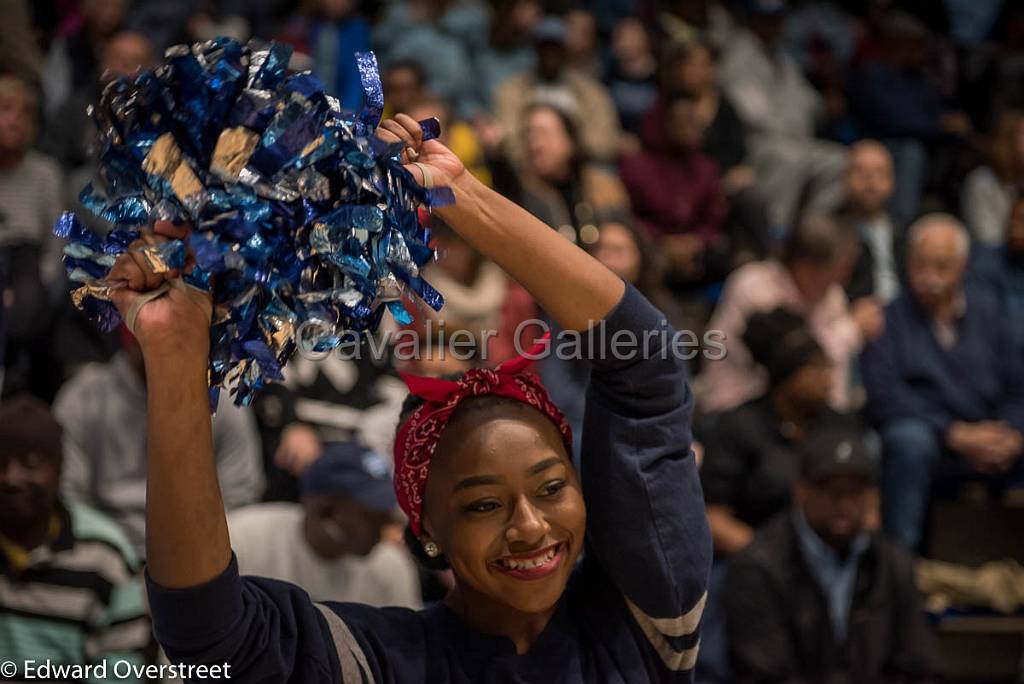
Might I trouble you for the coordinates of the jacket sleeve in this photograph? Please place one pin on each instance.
(760, 649)
(265, 630)
(915, 653)
(645, 513)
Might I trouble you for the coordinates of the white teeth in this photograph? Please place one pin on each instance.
(530, 563)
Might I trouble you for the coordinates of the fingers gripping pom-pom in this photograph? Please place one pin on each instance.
(300, 214)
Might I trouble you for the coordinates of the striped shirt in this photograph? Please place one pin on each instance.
(78, 601)
(31, 198)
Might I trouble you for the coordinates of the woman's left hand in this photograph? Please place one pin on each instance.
(443, 166)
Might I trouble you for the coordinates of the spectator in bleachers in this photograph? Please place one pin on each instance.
(73, 58)
(945, 382)
(31, 197)
(989, 190)
(70, 585)
(869, 185)
(896, 99)
(331, 544)
(807, 280)
(781, 111)
(510, 48)
(751, 455)
(71, 136)
(816, 597)
(693, 68)
(558, 183)
(552, 80)
(442, 37)
(102, 410)
(1002, 269)
(632, 74)
(341, 397)
(328, 34)
(677, 195)
(581, 43)
(404, 85)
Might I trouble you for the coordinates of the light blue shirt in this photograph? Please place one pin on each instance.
(837, 576)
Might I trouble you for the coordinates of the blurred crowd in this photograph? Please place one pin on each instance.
(833, 188)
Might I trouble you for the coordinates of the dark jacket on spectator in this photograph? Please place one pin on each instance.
(750, 462)
(862, 278)
(779, 627)
(908, 374)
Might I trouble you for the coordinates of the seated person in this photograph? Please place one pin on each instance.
(553, 79)
(1002, 269)
(798, 173)
(944, 380)
(103, 412)
(806, 280)
(815, 597)
(331, 544)
(869, 186)
(677, 195)
(556, 181)
(751, 453)
(70, 585)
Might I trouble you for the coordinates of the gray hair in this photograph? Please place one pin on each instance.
(922, 226)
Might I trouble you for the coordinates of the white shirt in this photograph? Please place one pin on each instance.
(268, 540)
(878, 235)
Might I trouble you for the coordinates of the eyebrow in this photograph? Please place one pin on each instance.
(481, 480)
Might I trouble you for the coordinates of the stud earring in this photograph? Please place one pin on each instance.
(431, 549)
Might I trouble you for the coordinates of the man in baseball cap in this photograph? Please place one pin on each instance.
(331, 544)
(818, 597)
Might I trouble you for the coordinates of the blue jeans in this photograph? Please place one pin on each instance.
(910, 450)
(917, 465)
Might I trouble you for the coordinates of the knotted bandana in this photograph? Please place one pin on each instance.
(418, 436)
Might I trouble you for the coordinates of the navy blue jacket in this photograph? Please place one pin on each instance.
(631, 610)
(908, 374)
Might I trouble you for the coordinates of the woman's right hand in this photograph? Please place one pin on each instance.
(445, 168)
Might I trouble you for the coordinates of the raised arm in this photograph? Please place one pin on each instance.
(186, 531)
(573, 287)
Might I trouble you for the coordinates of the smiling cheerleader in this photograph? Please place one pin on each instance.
(595, 575)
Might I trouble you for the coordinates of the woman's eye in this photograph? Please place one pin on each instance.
(553, 487)
(482, 506)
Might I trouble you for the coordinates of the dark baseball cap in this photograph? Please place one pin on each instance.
(351, 471)
(834, 449)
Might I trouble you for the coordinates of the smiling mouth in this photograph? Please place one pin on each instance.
(540, 564)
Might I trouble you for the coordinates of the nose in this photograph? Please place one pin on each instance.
(527, 526)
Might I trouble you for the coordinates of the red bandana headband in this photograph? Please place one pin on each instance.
(418, 436)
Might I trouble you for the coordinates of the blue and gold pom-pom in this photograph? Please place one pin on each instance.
(305, 224)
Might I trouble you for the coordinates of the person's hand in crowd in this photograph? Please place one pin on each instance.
(176, 324)
(300, 445)
(685, 253)
(442, 165)
(738, 178)
(987, 446)
(869, 316)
